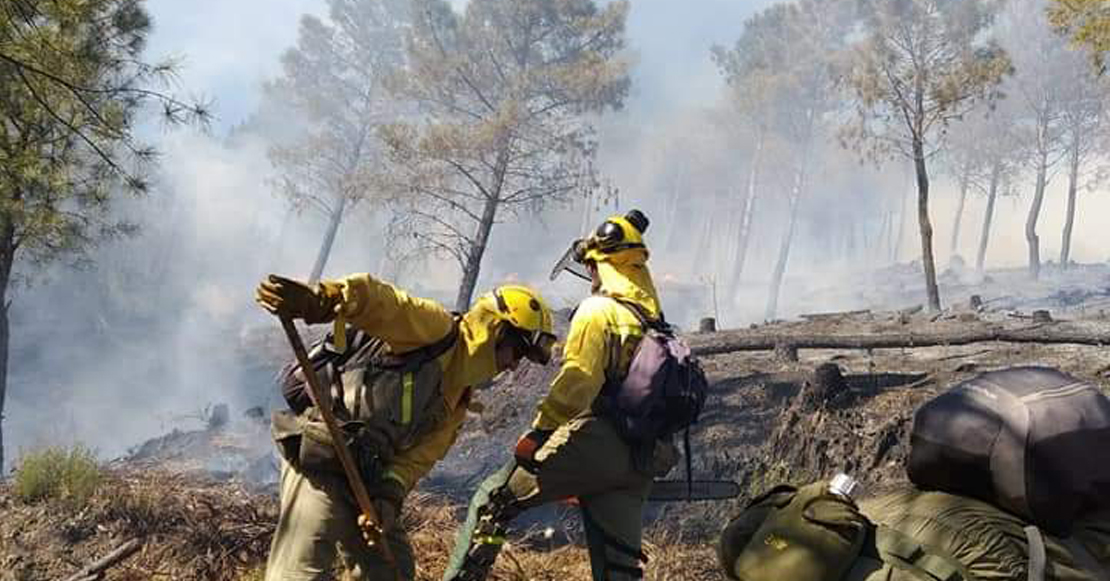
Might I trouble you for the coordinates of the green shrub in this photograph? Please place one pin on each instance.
(70, 475)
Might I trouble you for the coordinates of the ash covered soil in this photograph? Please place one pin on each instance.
(203, 502)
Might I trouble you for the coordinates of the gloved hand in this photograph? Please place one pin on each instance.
(286, 297)
(371, 534)
(387, 519)
(387, 497)
(527, 446)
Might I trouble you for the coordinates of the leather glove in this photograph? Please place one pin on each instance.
(387, 519)
(297, 300)
(387, 497)
(527, 446)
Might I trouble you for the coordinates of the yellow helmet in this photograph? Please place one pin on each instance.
(614, 235)
(525, 310)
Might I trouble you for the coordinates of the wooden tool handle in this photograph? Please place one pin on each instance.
(350, 468)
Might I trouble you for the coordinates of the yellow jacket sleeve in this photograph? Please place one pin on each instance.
(585, 359)
(410, 465)
(403, 321)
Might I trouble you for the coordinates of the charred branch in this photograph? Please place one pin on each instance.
(94, 570)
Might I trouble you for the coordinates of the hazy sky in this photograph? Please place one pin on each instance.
(229, 48)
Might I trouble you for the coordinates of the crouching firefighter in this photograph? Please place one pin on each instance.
(582, 444)
(400, 376)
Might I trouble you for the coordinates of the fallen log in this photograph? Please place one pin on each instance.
(761, 340)
(833, 315)
(94, 570)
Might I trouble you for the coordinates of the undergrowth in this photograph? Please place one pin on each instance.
(70, 475)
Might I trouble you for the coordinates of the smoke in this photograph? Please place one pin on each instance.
(157, 329)
(164, 324)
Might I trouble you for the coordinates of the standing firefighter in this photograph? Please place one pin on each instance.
(576, 447)
(401, 379)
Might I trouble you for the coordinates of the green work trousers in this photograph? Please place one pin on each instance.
(318, 535)
(586, 459)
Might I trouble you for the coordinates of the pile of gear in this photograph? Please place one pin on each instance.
(1010, 477)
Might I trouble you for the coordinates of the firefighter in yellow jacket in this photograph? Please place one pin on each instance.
(407, 416)
(570, 452)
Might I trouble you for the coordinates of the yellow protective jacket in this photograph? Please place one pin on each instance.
(603, 336)
(405, 323)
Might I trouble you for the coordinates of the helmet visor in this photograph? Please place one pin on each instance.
(541, 347)
(535, 346)
(569, 263)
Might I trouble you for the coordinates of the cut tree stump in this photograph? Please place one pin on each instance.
(786, 352)
(828, 383)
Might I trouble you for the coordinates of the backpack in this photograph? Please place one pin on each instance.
(810, 534)
(799, 534)
(362, 350)
(664, 389)
(1031, 440)
(384, 402)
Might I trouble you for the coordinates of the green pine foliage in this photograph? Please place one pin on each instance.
(73, 87)
(1087, 22)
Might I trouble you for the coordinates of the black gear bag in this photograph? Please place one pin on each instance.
(1032, 440)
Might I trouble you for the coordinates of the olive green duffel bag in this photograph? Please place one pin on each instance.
(809, 534)
(799, 534)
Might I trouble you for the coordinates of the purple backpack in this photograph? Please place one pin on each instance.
(664, 390)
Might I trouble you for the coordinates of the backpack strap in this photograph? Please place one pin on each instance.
(642, 315)
(689, 464)
(1037, 557)
(414, 359)
(896, 547)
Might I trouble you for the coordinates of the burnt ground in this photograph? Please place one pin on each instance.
(764, 423)
(191, 528)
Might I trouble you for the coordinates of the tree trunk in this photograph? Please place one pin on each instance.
(1035, 213)
(587, 213)
(746, 215)
(675, 205)
(896, 242)
(784, 248)
(926, 227)
(731, 341)
(877, 246)
(7, 261)
(954, 246)
(474, 255)
(1073, 185)
(988, 217)
(703, 260)
(329, 238)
